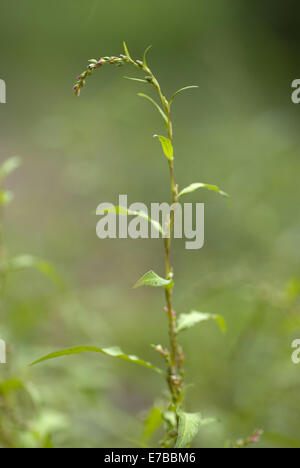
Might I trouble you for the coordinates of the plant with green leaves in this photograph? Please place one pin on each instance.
(181, 427)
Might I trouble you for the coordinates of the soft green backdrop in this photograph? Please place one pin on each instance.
(239, 130)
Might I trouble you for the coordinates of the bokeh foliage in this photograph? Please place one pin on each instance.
(239, 130)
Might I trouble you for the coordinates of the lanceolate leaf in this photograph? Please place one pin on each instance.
(180, 91)
(165, 118)
(23, 262)
(113, 352)
(188, 427)
(121, 210)
(126, 50)
(136, 79)
(196, 186)
(145, 54)
(166, 146)
(153, 280)
(186, 321)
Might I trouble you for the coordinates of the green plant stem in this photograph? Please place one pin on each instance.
(175, 381)
(175, 374)
(175, 370)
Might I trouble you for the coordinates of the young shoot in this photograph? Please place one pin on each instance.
(181, 427)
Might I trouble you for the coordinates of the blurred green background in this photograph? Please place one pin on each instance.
(239, 130)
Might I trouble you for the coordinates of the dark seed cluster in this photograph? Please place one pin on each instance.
(94, 64)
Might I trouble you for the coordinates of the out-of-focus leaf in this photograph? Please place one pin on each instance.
(166, 146)
(23, 262)
(10, 385)
(292, 289)
(113, 352)
(145, 55)
(9, 166)
(188, 427)
(47, 422)
(5, 197)
(180, 91)
(186, 321)
(126, 50)
(170, 418)
(162, 113)
(151, 424)
(196, 186)
(153, 280)
(121, 210)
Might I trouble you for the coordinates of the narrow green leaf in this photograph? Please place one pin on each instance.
(5, 197)
(121, 210)
(145, 54)
(196, 186)
(151, 424)
(166, 146)
(153, 280)
(113, 352)
(135, 79)
(165, 118)
(23, 262)
(186, 321)
(188, 427)
(180, 91)
(9, 166)
(126, 50)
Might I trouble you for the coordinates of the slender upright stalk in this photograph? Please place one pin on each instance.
(174, 357)
(182, 427)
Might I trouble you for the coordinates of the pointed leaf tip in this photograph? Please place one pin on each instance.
(166, 146)
(145, 54)
(135, 79)
(112, 352)
(198, 185)
(126, 50)
(162, 113)
(186, 321)
(153, 280)
(180, 91)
